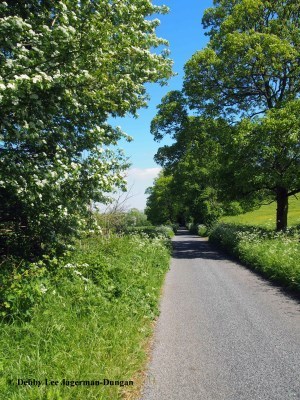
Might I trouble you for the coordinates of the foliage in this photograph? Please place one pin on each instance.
(197, 229)
(161, 205)
(118, 221)
(241, 145)
(249, 68)
(251, 63)
(134, 217)
(275, 255)
(263, 158)
(66, 67)
(191, 162)
(22, 287)
(162, 231)
(92, 322)
(202, 230)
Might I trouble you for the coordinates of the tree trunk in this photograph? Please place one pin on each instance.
(282, 208)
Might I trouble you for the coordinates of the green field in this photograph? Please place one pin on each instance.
(265, 216)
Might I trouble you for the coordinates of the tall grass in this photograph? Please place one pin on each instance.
(92, 323)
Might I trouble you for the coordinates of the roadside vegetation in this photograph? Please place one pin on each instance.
(77, 296)
(88, 320)
(275, 254)
(251, 238)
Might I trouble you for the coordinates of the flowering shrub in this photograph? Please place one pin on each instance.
(65, 67)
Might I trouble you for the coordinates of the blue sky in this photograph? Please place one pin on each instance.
(182, 28)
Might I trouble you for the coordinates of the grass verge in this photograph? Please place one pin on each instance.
(275, 255)
(91, 324)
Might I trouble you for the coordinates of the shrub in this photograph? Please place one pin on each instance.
(22, 287)
(202, 230)
(151, 231)
(193, 228)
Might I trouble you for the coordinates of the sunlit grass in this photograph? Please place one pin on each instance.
(265, 216)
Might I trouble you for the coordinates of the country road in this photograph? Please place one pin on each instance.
(224, 333)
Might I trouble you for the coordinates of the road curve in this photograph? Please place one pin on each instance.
(223, 333)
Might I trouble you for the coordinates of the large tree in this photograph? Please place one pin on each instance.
(262, 159)
(192, 160)
(249, 68)
(65, 67)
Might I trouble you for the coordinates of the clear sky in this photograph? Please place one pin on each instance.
(182, 28)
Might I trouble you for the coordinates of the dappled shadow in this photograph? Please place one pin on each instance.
(191, 248)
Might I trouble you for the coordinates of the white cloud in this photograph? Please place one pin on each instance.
(138, 180)
(142, 173)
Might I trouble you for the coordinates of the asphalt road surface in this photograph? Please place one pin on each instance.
(224, 333)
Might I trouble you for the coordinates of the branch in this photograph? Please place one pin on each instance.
(257, 113)
(266, 204)
(293, 192)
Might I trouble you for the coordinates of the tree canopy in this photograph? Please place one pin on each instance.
(248, 77)
(251, 63)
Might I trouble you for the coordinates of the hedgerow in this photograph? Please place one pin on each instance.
(275, 254)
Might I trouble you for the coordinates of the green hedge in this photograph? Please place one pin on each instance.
(151, 231)
(198, 229)
(275, 255)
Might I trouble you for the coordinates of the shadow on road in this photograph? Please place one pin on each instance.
(191, 248)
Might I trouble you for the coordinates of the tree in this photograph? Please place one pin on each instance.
(65, 67)
(249, 68)
(192, 159)
(263, 158)
(135, 217)
(161, 205)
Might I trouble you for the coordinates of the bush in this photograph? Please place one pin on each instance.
(275, 254)
(193, 228)
(197, 229)
(22, 287)
(151, 231)
(202, 230)
(174, 227)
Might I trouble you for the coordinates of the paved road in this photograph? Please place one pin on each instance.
(224, 333)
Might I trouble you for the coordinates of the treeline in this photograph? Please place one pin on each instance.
(235, 124)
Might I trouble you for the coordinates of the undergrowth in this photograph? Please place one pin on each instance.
(90, 323)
